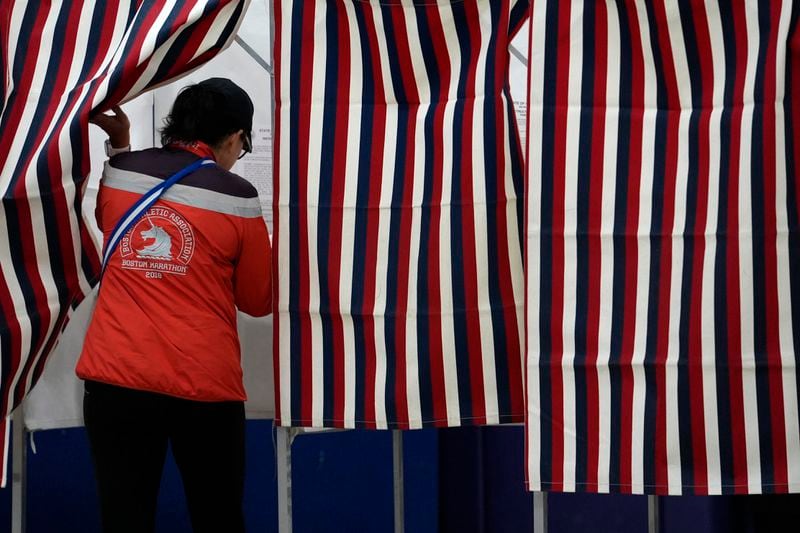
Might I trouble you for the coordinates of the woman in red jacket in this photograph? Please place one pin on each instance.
(161, 359)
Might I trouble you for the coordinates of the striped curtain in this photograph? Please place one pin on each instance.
(663, 248)
(59, 61)
(398, 214)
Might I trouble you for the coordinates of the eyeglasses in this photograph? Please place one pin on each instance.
(247, 146)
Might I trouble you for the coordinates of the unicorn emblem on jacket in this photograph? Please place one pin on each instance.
(160, 248)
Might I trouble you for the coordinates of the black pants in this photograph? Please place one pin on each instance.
(129, 431)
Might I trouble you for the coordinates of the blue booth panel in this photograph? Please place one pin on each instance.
(342, 481)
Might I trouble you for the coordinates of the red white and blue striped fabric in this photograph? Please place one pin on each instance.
(398, 214)
(59, 61)
(663, 253)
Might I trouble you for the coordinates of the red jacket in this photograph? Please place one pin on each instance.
(165, 320)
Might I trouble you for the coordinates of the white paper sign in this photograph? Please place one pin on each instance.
(518, 79)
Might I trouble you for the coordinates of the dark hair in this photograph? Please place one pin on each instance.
(198, 114)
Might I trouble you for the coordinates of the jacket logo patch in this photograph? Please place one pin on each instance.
(161, 241)
(160, 246)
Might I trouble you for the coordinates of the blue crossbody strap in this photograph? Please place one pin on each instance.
(142, 205)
